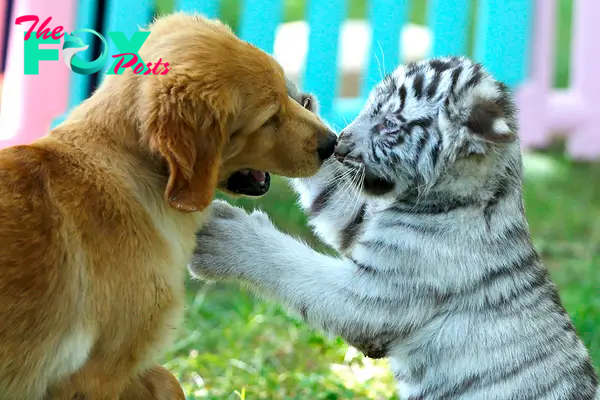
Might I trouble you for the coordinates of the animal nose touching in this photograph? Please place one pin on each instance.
(327, 146)
(344, 150)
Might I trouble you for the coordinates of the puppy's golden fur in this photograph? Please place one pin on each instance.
(96, 221)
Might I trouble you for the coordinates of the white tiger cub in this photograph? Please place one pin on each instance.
(437, 270)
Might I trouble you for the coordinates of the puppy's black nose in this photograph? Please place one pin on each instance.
(326, 146)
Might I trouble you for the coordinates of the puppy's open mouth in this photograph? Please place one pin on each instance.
(249, 182)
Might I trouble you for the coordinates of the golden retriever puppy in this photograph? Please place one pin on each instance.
(97, 218)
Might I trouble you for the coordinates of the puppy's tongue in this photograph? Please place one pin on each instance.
(258, 176)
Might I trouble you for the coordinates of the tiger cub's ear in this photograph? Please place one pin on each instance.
(310, 102)
(488, 121)
(306, 100)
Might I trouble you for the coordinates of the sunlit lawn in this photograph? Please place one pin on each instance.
(233, 345)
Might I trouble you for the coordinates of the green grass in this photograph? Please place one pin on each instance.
(235, 346)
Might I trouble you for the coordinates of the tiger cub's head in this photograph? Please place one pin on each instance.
(438, 124)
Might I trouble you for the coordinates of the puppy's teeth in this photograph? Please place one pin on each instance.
(244, 171)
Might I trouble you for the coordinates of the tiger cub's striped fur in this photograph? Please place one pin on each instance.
(438, 272)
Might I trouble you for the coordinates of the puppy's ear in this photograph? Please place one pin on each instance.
(190, 135)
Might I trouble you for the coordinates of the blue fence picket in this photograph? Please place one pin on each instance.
(86, 17)
(386, 18)
(448, 21)
(503, 36)
(321, 74)
(209, 8)
(259, 21)
(79, 87)
(126, 16)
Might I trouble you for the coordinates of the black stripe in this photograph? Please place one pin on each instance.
(586, 369)
(364, 267)
(504, 305)
(503, 187)
(441, 207)
(373, 152)
(387, 151)
(390, 84)
(420, 145)
(412, 68)
(515, 235)
(435, 154)
(400, 138)
(418, 86)
(377, 245)
(527, 261)
(417, 373)
(454, 391)
(349, 233)
(455, 75)
(376, 109)
(433, 86)
(390, 275)
(440, 66)
(395, 159)
(407, 225)
(477, 76)
(322, 199)
(436, 148)
(401, 376)
(402, 98)
(304, 312)
(423, 123)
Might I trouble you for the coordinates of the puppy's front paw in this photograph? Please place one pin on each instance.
(231, 240)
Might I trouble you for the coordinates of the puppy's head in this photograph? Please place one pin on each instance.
(221, 116)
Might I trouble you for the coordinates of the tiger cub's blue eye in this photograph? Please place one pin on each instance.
(387, 124)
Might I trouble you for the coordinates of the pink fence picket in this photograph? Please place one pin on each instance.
(30, 102)
(533, 95)
(584, 140)
(574, 111)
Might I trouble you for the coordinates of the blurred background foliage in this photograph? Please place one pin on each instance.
(235, 346)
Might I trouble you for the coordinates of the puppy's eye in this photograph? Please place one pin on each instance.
(307, 102)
